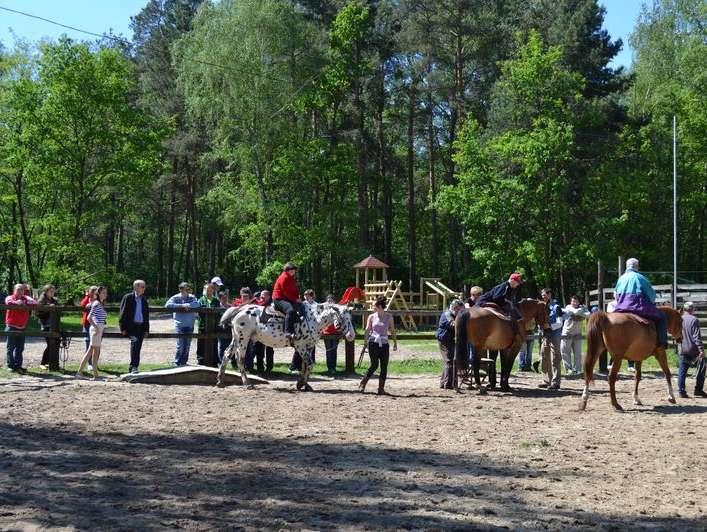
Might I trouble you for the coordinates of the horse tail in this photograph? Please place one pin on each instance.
(461, 350)
(595, 342)
(228, 316)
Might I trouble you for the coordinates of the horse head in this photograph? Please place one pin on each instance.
(339, 315)
(674, 320)
(534, 309)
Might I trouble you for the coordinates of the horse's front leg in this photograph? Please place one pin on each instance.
(307, 364)
(662, 357)
(636, 380)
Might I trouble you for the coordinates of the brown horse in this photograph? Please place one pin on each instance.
(625, 336)
(485, 330)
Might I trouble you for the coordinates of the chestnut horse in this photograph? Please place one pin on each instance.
(625, 336)
(485, 330)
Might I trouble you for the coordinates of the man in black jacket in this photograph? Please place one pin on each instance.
(446, 339)
(504, 295)
(134, 321)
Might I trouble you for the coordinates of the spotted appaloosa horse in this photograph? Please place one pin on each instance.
(247, 325)
(624, 335)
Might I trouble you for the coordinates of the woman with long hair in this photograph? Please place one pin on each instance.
(97, 320)
(379, 326)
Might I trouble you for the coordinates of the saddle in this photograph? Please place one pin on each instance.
(270, 312)
(639, 319)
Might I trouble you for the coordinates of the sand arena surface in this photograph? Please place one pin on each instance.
(111, 455)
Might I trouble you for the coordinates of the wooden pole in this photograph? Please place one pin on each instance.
(350, 352)
(53, 343)
(603, 362)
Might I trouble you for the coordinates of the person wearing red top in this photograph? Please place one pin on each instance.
(86, 303)
(331, 336)
(285, 295)
(16, 320)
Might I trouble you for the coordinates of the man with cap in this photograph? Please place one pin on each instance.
(504, 295)
(183, 321)
(550, 353)
(285, 295)
(692, 352)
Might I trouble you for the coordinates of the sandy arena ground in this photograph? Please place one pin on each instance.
(108, 455)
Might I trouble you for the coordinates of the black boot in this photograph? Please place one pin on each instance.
(381, 388)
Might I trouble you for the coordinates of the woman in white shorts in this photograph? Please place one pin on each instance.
(97, 320)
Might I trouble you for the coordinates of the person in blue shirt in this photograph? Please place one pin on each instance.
(634, 293)
(550, 345)
(183, 321)
(446, 339)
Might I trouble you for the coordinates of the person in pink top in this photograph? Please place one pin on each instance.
(379, 326)
(16, 320)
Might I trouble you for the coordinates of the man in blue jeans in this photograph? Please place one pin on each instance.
(183, 322)
(692, 352)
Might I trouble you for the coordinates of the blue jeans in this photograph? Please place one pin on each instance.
(250, 355)
(525, 355)
(331, 343)
(181, 357)
(685, 364)
(15, 347)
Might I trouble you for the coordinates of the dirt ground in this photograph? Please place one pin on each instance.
(114, 456)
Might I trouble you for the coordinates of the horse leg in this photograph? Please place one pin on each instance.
(662, 357)
(636, 380)
(506, 366)
(306, 370)
(228, 354)
(615, 367)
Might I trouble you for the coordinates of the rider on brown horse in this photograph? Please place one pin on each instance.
(634, 294)
(504, 296)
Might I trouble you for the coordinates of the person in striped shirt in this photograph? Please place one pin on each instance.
(97, 320)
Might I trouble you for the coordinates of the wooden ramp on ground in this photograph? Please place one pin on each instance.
(187, 375)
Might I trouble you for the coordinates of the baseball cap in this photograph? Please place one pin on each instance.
(217, 280)
(289, 266)
(184, 285)
(516, 277)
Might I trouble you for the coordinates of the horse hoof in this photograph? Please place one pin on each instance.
(637, 403)
(300, 385)
(672, 400)
(308, 388)
(250, 387)
(618, 407)
(482, 391)
(582, 406)
(506, 389)
(220, 384)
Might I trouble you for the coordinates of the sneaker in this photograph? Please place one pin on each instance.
(43, 366)
(700, 393)
(89, 368)
(134, 370)
(632, 369)
(684, 395)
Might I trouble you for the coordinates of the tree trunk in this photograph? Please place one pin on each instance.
(433, 183)
(159, 244)
(361, 171)
(24, 232)
(412, 229)
(171, 282)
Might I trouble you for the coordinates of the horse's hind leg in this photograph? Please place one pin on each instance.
(636, 380)
(306, 370)
(506, 365)
(663, 361)
(228, 354)
(240, 358)
(615, 367)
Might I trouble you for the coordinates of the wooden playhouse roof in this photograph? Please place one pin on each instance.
(371, 262)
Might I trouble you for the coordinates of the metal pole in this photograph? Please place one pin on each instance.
(675, 214)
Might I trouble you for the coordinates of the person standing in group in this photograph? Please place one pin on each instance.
(207, 300)
(692, 352)
(331, 336)
(263, 351)
(134, 321)
(285, 295)
(183, 322)
(446, 339)
(48, 321)
(97, 320)
(246, 299)
(379, 327)
(88, 298)
(16, 321)
(571, 338)
(296, 364)
(550, 345)
(227, 332)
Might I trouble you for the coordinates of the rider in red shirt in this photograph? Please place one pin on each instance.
(285, 295)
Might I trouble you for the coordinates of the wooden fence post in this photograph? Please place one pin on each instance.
(53, 341)
(210, 343)
(350, 351)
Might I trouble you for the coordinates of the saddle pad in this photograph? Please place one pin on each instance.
(494, 310)
(638, 319)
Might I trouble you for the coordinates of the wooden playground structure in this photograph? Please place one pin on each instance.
(433, 294)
